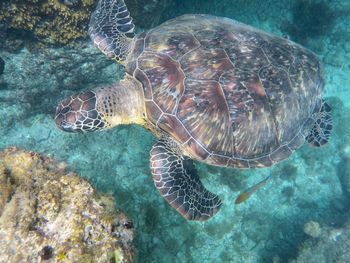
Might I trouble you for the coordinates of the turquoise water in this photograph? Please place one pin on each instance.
(313, 184)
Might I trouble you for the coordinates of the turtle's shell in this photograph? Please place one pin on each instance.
(230, 94)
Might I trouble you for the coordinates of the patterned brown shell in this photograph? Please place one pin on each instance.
(230, 94)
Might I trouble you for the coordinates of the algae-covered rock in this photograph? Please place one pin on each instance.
(329, 245)
(313, 229)
(51, 21)
(47, 213)
(63, 22)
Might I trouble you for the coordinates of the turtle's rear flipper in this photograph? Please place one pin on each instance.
(177, 181)
(111, 28)
(321, 130)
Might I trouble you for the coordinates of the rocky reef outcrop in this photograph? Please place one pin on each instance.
(50, 21)
(63, 22)
(47, 213)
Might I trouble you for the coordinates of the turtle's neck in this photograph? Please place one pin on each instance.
(121, 103)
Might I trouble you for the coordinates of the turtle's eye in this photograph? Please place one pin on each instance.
(79, 114)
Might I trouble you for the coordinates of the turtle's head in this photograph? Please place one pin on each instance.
(102, 108)
(78, 113)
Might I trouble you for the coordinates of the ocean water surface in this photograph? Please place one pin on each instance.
(313, 185)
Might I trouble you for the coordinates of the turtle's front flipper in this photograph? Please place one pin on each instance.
(111, 29)
(321, 130)
(177, 181)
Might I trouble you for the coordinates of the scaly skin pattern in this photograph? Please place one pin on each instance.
(78, 113)
(229, 94)
(102, 108)
(178, 182)
(111, 29)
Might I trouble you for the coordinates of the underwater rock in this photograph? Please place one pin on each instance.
(50, 21)
(61, 22)
(2, 65)
(312, 229)
(331, 245)
(47, 213)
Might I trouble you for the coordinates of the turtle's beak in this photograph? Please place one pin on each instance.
(63, 114)
(78, 113)
(66, 126)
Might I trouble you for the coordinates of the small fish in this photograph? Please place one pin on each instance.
(251, 190)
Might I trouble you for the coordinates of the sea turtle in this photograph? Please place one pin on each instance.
(211, 89)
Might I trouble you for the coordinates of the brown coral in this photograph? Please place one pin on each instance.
(64, 21)
(47, 213)
(51, 21)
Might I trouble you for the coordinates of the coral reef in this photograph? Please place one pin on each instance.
(63, 22)
(51, 21)
(49, 213)
(312, 229)
(327, 244)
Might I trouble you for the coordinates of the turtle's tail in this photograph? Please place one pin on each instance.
(79, 113)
